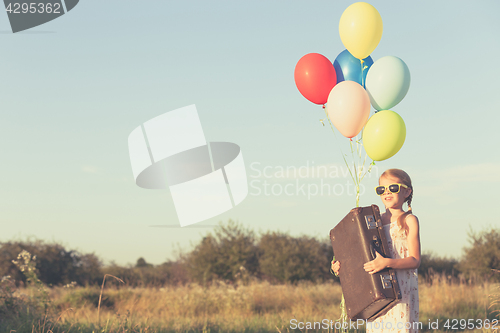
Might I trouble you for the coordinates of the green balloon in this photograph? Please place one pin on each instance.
(384, 135)
(387, 82)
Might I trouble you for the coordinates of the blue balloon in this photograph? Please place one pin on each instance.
(348, 68)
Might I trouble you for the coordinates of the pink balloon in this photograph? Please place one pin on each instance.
(348, 108)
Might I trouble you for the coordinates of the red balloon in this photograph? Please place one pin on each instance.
(315, 77)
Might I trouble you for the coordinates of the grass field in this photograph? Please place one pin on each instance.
(256, 307)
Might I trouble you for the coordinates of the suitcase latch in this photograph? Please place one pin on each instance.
(371, 223)
(386, 281)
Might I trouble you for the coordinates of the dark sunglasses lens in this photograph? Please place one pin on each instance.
(394, 188)
(380, 190)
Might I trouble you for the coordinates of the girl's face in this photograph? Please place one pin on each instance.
(393, 200)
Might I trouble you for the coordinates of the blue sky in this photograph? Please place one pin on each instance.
(73, 89)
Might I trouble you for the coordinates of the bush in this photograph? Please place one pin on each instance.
(482, 256)
(431, 264)
(23, 307)
(55, 265)
(175, 272)
(287, 259)
(148, 275)
(224, 255)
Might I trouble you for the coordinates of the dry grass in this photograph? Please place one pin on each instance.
(220, 306)
(455, 300)
(257, 307)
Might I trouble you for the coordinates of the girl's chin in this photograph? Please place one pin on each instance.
(390, 204)
(392, 207)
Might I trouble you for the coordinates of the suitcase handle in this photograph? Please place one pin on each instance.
(373, 251)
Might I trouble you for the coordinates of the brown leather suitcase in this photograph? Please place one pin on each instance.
(355, 240)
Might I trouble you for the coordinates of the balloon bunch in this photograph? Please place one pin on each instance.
(351, 84)
(353, 81)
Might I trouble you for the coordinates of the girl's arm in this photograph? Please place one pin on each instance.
(410, 262)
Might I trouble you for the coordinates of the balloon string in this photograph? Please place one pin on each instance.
(362, 76)
(321, 120)
(341, 152)
(356, 179)
(356, 175)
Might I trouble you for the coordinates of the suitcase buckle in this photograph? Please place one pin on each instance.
(371, 223)
(386, 281)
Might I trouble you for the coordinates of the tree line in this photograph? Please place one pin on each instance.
(236, 254)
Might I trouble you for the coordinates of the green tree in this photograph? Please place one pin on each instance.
(55, 265)
(224, 254)
(141, 262)
(288, 259)
(482, 256)
(431, 264)
(174, 272)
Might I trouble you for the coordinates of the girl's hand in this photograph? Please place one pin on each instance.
(376, 265)
(336, 267)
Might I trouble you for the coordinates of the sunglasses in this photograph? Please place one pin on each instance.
(394, 188)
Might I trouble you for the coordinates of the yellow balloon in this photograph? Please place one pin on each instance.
(360, 29)
(384, 135)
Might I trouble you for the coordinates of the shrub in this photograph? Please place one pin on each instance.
(482, 256)
(431, 264)
(55, 265)
(222, 256)
(288, 259)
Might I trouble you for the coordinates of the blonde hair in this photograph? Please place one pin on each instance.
(404, 179)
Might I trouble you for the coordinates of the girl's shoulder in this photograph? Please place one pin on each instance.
(411, 216)
(412, 221)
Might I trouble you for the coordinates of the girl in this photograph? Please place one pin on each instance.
(402, 231)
